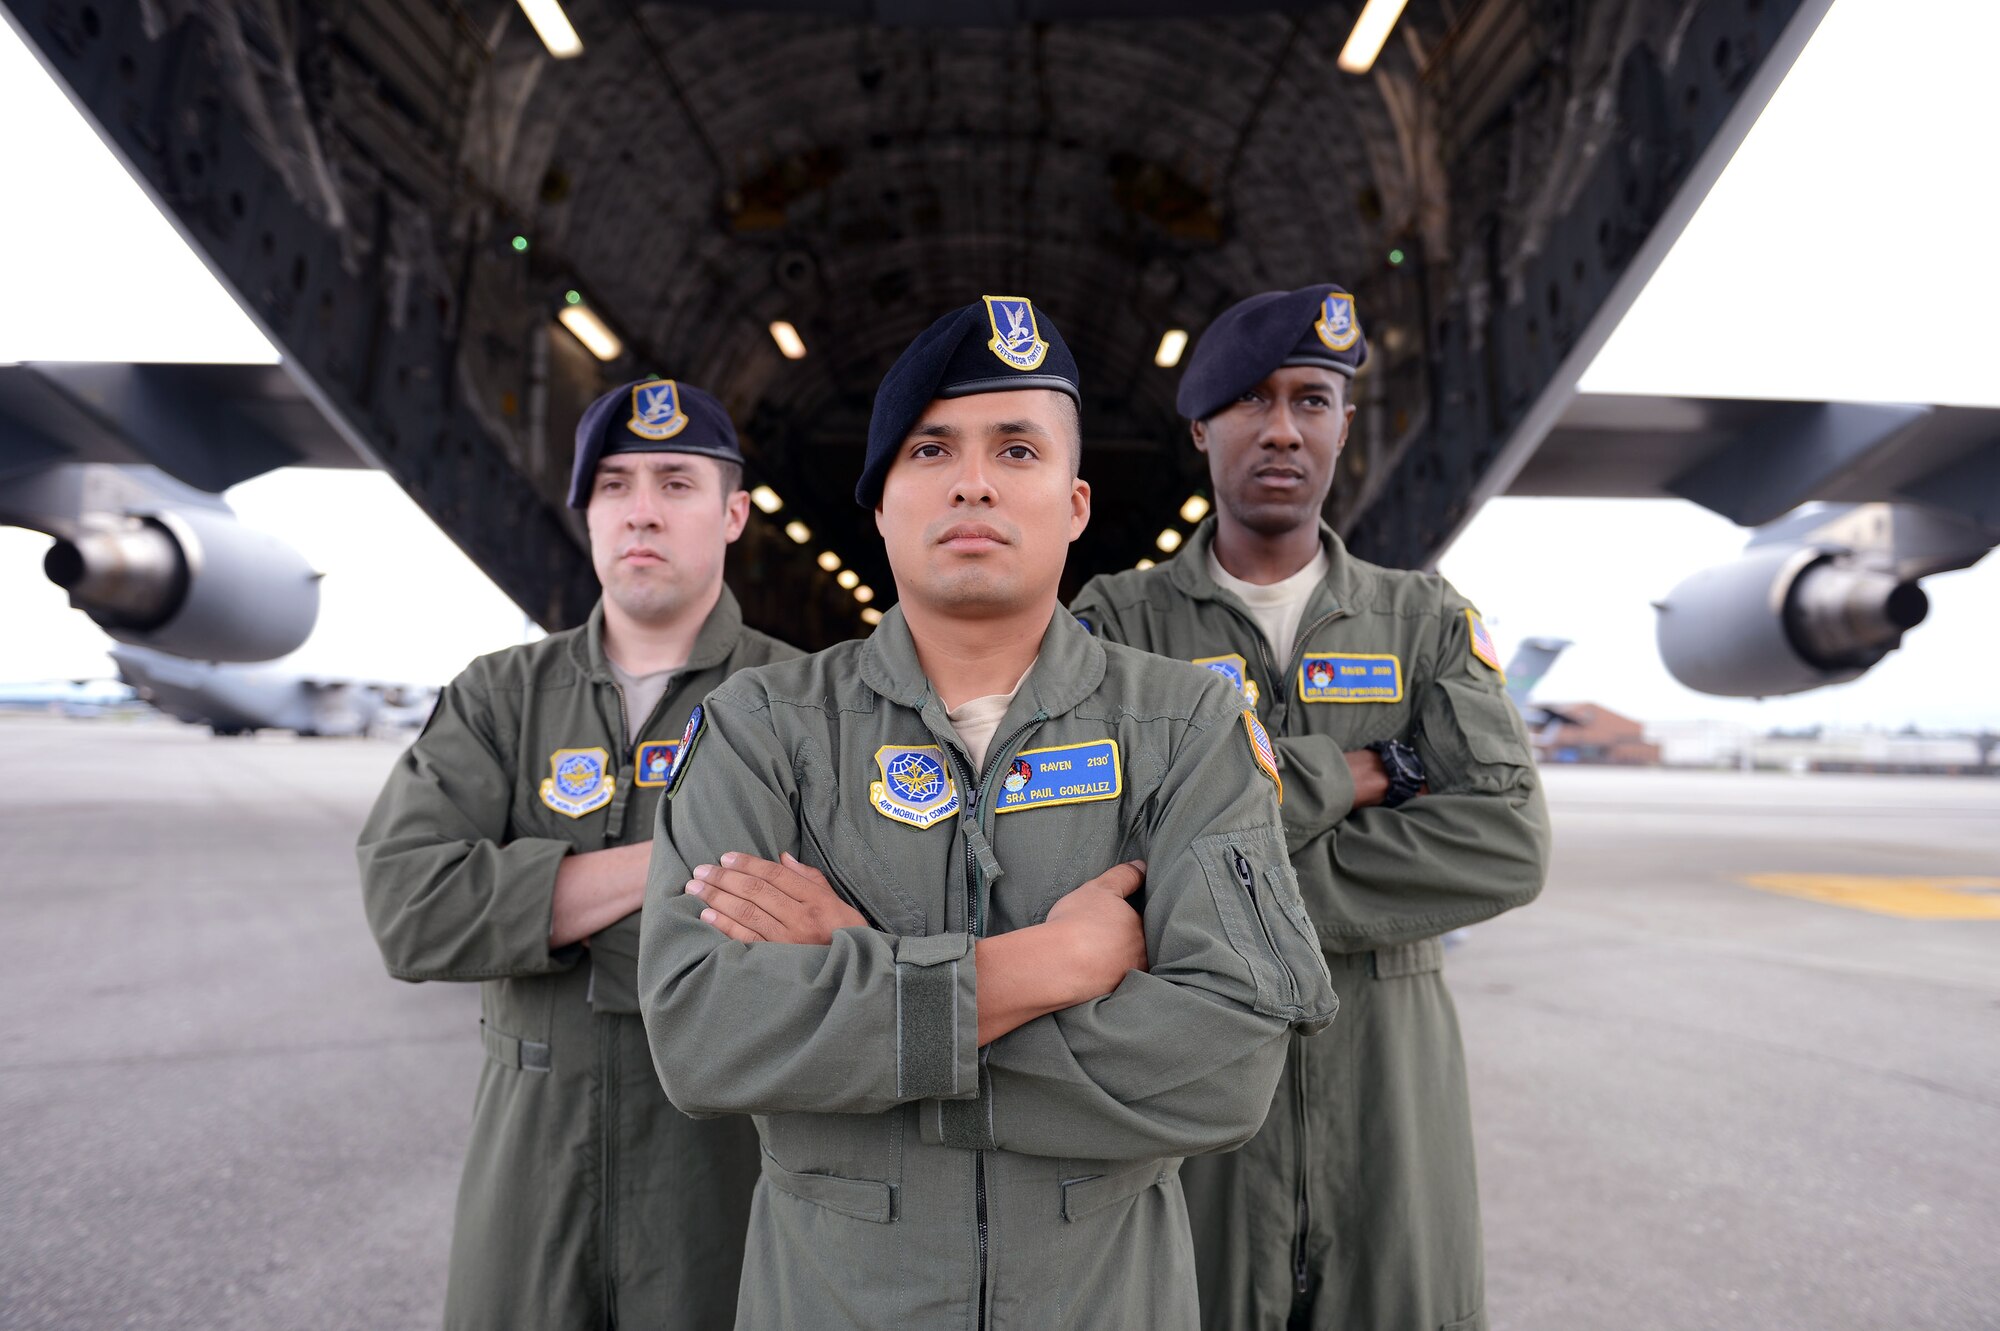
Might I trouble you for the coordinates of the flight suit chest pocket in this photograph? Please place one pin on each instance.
(1082, 1196)
(865, 863)
(1257, 903)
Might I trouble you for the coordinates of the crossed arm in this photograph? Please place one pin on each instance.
(1091, 938)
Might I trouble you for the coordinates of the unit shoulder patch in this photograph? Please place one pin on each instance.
(916, 786)
(1482, 644)
(579, 782)
(1351, 677)
(1263, 751)
(685, 749)
(654, 762)
(1064, 774)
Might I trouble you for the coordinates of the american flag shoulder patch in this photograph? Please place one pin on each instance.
(1482, 644)
(1261, 750)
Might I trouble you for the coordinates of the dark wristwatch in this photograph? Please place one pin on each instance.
(1404, 769)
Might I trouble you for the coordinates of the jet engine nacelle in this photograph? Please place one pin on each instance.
(1784, 619)
(190, 581)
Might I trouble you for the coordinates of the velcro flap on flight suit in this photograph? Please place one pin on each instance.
(511, 1051)
(1470, 739)
(1084, 1195)
(930, 992)
(1418, 958)
(864, 1199)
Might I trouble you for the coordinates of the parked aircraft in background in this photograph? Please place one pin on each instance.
(69, 697)
(242, 699)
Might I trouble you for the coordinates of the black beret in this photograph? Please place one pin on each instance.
(1315, 325)
(649, 416)
(997, 344)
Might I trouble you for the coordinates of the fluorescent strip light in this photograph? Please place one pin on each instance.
(871, 616)
(864, 594)
(848, 579)
(828, 560)
(1194, 509)
(591, 331)
(765, 498)
(799, 532)
(553, 27)
(1371, 30)
(1172, 343)
(789, 342)
(1168, 540)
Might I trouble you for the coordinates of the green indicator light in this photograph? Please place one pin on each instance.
(573, 297)
(520, 244)
(1395, 258)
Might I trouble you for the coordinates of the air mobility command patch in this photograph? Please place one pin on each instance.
(685, 749)
(1351, 677)
(656, 410)
(1017, 340)
(1261, 750)
(1336, 325)
(1066, 774)
(916, 788)
(1234, 669)
(1482, 644)
(578, 782)
(654, 763)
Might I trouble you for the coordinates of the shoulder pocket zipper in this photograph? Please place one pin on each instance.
(1248, 878)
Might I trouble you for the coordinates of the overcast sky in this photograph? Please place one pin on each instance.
(1847, 253)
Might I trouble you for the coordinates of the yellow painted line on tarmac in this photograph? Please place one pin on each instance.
(1887, 894)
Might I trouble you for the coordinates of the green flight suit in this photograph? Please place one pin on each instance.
(912, 1179)
(1357, 1207)
(587, 1200)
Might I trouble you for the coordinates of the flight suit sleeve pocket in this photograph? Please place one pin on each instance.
(1267, 931)
(1470, 739)
(1084, 1195)
(863, 1199)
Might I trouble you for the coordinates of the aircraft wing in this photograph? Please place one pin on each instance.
(207, 426)
(1754, 461)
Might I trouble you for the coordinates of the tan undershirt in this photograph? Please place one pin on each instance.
(976, 719)
(642, 695)
(1278, 607)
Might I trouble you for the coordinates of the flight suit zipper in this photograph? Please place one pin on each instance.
(1281, 700)
(607, 1163)
(975, 924)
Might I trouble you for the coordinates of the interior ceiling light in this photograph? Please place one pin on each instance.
(1172, 343)
(1194, 508)
(848, 579)
(828, 560)
(789, 342)
(553, 27)
(1168, 540)
(871, 616)
(766, 499)
(798, 531)
(591, 331)
(1371, 30)
(864, 594)
(1143, 565)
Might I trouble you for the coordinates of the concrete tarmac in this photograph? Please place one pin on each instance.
(1700, 1103)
